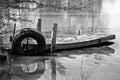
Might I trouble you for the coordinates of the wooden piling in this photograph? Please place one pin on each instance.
(14, 30)
(53, 38)
(39, 25)
(12, 36)
(78, 32)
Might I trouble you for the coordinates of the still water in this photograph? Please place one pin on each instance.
(95, 63)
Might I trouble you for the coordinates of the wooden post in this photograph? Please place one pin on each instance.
(12, 37)
(14, 30)
(53, 38)
(78, 32)
(39, 25)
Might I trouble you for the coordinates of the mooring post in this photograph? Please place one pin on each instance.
(78, 32)
(14, 30)
(39, 25)
(53, 38)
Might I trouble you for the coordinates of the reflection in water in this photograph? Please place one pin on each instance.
(53, 64)
(98, 50)
(29, 68)
(83, 64)
(24, 68)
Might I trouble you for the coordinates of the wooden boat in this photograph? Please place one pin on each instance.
(73, 45)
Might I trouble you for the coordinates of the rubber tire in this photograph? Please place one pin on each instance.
(16, 46)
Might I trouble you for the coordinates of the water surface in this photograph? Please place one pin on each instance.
(94, 63)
